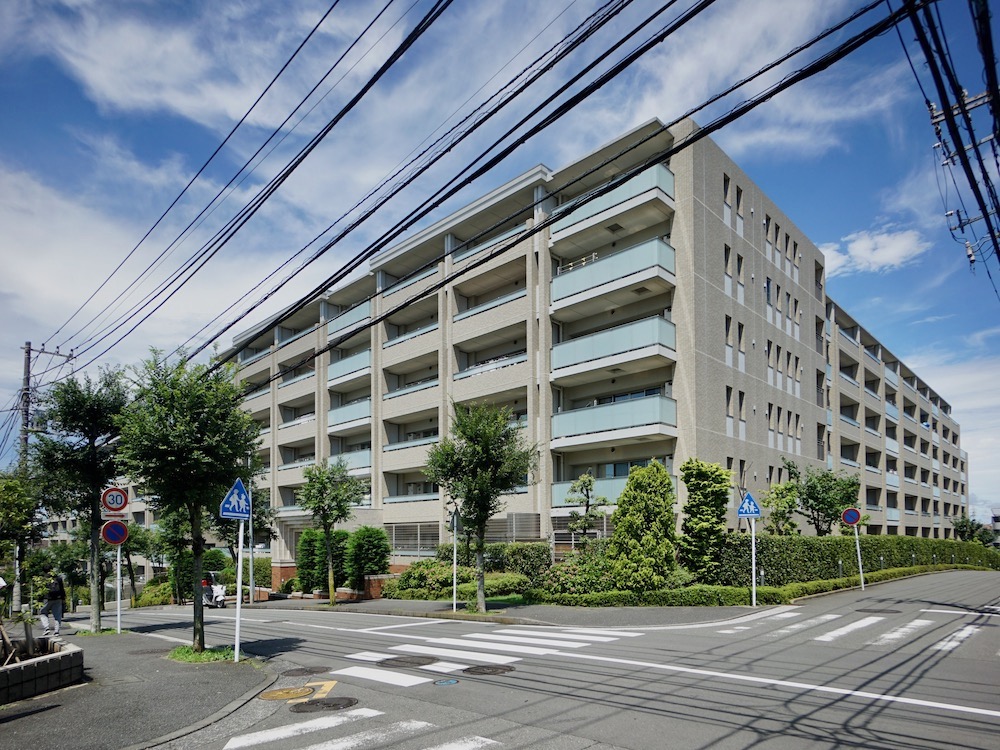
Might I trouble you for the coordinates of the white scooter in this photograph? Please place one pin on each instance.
(213, 591)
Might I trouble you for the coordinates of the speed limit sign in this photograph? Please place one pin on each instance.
(114, 499)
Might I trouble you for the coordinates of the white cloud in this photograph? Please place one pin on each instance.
(874, 251)
(978, 339)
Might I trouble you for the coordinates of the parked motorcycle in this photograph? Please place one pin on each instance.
(213, 591)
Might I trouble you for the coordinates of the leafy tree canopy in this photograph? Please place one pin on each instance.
(704, 526)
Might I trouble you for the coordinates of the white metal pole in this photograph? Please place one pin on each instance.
(253, 596)
(454, 561)
(857, 546)
(239, 591)
(118, 590)
(753, 562)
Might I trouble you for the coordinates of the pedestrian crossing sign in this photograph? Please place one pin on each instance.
(236, 503)
(748, 508)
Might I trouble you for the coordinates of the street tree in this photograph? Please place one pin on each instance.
(581, 491)
(641, 548)
(703, 530)
(186, 439)
(331, 494)
(824, 495)
(970, 530)
(75, 461)
(782, 502)
(482, 459)
(19, 521)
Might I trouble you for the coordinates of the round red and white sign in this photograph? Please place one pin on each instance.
(114, 499)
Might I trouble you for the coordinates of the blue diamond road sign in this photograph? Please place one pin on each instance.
(748, 508)
(236, 504)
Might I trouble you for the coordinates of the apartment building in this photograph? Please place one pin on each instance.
(679, 313)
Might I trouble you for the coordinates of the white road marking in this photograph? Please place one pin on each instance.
(737, 629)
(598, 631)
(800, 686)
(966, 612)
(528, 650)
(296, 730)
(802, 625)
(447, 667)
(451, 653)
(553, 634)
(372, 736)
(519, 639)
(849, 628)
(786, 615)
(900, 633)
(465, 743)
(368, 656)
(954, 640)
(185, 641)
(403, 625)
(383, 675)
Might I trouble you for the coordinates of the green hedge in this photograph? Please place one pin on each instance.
(796, 559)
(528, 558)
(429, 582)
(154, 594)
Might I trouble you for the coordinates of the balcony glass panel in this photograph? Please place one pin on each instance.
(348, 318)
(614, 266)
(891, 377)
(891, 445)
(495, 364)
(892, 514)
(610, 488)
(473, 249)
(655, 177)
(411, 388)
(403, 283)
(411, 335)
(634, 413)
(848, 337)
(355, 459)
(347, 365)
(892, 480)
(349, 412)
(492, 303)
(410, 498)
(892, 411)
(624, 338)
(410, 443)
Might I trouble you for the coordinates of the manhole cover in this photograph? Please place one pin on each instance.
(880, 611)
(304, 671)
(488, 669)
(407, 661)
(323, 704)
(286, 694)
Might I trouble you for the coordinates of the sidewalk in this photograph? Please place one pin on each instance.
(132, 697)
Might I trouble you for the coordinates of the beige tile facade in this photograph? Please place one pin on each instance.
(680, 314)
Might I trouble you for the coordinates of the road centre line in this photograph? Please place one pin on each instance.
(772, 682)
(964, 612)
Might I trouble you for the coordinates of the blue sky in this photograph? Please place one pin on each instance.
(110, 107)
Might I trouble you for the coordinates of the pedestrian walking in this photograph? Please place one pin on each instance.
(55, 600)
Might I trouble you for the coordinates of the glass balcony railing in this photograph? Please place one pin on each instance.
(892, 480)
(610, 488)
(614, 266)
(892, 445)
(348, 365)
(891, 377)
(618, 340)
(429, 383)
(354, 459)
(494, 364)
(892, 514)
(892, 411)
(412, 443)
(650, 410)
(410, 335)
(403, 283)
(465, 252)
(348, 318)
(410, 498)
(349, 412)
(656, 177)
(495, 302)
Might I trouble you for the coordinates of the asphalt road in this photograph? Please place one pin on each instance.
(907, 664)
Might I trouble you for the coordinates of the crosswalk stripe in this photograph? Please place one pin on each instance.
(786, 615)
(368, 656)
(452, 653)
(446, 667)
(598, 631)
(567, 636)
(465, 743)
(737, 629)
(372, 736)
(518, 639)
(900, 633)
(296, 730)
(802, 625)
(530, 650)
(954, 640)
(849, 628)
(383, 675)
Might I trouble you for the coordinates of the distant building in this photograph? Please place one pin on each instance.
(680, 314)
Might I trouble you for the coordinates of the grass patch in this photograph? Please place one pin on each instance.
(103, 631)
(215, 653)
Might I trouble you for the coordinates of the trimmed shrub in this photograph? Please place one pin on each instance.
(290, 585)
(154, 594)
(310, 559)
(368, 553)
(216, 559)
(531, 559)
(497, 584)
(181, 574)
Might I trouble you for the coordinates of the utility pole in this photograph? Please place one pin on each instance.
(23, 457)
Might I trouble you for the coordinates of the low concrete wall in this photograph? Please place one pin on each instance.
(61, 667)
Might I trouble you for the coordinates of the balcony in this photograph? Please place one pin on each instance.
(493, 364)
(654, 257)
(848, 338)
(892, 411)
(340, 415)
(465, 252)
(892, 480)
(354, 460)
(411, 498)
(410, 280)
(412, 387)
(410, 335)
(496, 302)
(892, 446)
(655, 184)
(891, 377)
(402, 444)
(349, 365)
(640, 340)
(348, 319)
(849, 379)
(892, 514)
(610, 488)
(648, 416)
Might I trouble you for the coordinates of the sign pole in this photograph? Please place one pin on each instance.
(857, 546)
(253, 570)
(239, 592)
(753, 562)
(118, 589)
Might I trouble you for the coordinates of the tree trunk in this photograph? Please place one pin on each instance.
(480, 576)
(131, 575)
(328, 533)
(198, 551)
(96, 592)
